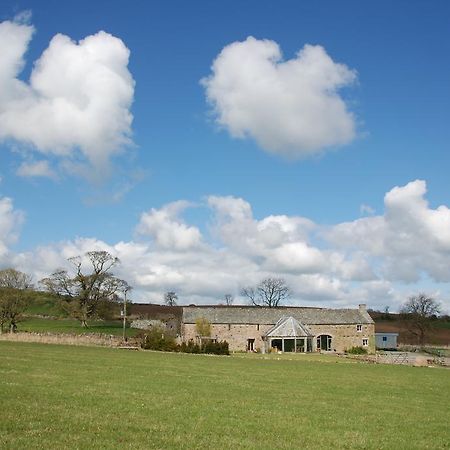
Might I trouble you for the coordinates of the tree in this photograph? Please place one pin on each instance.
(170, 298)
(203, 327)
(14, 299)
(418, 312)
(271, 292)
(90, 294)
(229, 299)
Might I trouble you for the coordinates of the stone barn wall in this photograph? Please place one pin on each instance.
(235, 334)
(346, 336)
(343, 336)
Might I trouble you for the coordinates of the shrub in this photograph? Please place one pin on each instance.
(357, 351)
(157, 339)
(216, 348)
(189, 347)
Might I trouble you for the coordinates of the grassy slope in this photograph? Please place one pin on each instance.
(75, 397)
(44, 304)
(45, 314)
(72, 326)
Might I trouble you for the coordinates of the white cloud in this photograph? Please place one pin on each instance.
(375, 260)
(291, 108)
(237, 228)
(409, 239)
(167, 230)
(297, 257)
(35, 169)
(10, 222)
(76, 105)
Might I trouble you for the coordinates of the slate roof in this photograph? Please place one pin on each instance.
(270, 316)
(289, 327)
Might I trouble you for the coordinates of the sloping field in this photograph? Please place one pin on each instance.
(58, 397)
(438, 335)
(72, 326)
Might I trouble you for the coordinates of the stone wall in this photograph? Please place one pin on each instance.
(147, 324)
(235, 334)
(66, 339)
(346, 336)
(343, 336)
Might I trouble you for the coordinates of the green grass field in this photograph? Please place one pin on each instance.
(72, 326)
(58, 397)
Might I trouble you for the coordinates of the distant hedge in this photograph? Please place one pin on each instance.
(156, 339)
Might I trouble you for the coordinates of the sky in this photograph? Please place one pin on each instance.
(210, 145)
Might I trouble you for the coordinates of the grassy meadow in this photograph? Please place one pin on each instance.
(58, 397)
(72, 326)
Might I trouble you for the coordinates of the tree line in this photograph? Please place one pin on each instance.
(89, 289)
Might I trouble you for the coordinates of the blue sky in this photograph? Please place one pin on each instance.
(395, 93)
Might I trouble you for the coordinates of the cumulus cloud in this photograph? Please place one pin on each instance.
(292, 108)
(10, 222)
(237, 228)
(409, 239)
(76, 104)
(378, 260)
(167, 230)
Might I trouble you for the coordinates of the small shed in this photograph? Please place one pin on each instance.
(386, 340)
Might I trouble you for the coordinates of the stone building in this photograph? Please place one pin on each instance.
(289, 329)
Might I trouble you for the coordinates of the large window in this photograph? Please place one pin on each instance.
(324, 342)
(301, 345)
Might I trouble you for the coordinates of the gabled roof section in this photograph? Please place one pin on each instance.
(270, 316)
(288, 327)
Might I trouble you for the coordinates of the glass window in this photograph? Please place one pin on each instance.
(365, 342)
(358, 327)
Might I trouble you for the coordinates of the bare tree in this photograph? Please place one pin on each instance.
(87, 294)
(14, 298)
(229, 299)
(418, 312)
(11, 278)
(271, 292)
(170, 298)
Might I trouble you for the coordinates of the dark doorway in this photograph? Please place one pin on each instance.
(277, 343)
(324, 342)
(250, 345)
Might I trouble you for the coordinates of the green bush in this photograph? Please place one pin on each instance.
(216, 348)
(357, 351)
(189, 347)
(158, 339)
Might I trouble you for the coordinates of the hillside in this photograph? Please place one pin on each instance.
(393, 323)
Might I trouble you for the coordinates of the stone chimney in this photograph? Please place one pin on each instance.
(362, 307)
